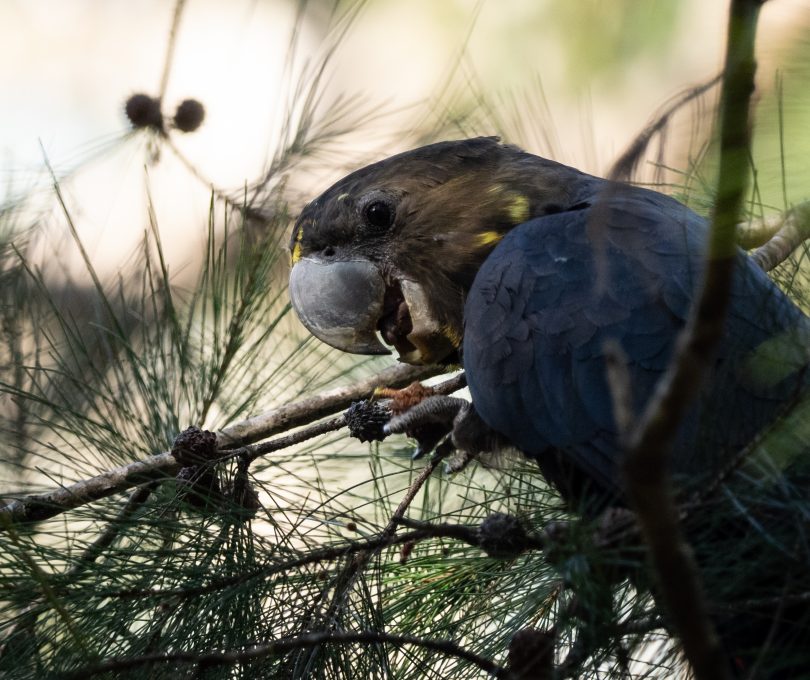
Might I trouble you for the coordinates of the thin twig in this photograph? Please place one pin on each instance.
(37, 507)
(302, 435)
(407, 499)
(168, 60)
(276, 647)
(460, 532)
(471, 535)
(448, 386)
(326, 554)
(645, 466)
(623, 167)
(348, 577)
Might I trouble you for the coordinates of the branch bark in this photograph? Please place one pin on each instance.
(317, 406)
(645, 466)
(37, 507)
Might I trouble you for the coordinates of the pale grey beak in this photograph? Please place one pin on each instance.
(340, 303)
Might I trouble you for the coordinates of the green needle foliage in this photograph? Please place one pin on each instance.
(296, 564)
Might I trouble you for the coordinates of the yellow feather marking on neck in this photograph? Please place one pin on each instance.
(452, 335)
(342, 197)
(516, 205)
(487, 238)
(518, 208)
(296, 251)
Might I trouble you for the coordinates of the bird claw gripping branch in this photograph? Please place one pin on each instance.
(428, 430)
(445, 425)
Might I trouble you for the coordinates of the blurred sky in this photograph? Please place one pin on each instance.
(604, 68)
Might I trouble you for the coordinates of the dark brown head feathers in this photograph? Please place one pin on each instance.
(449, 204)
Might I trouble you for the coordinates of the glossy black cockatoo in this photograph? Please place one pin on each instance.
(520, 269)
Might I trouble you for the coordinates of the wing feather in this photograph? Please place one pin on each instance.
(543, 305)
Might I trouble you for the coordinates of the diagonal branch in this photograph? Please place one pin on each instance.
(319, 405)
(36, 507)
(645, 466)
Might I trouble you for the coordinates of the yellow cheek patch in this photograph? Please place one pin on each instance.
(296, 251)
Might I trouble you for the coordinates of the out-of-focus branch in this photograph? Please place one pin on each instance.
(35, 507)
(789, 231)
(756, 232)
(645, 466)
(624, 166)
(171, 43)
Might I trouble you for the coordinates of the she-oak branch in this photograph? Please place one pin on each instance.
(37, 507)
